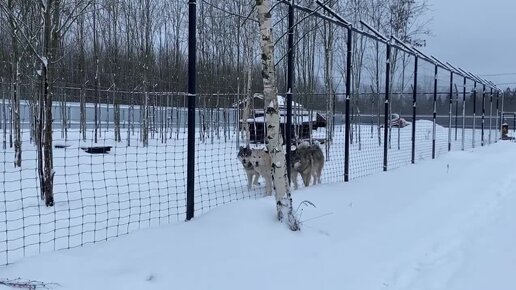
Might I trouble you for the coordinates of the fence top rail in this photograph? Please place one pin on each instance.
(380, 38)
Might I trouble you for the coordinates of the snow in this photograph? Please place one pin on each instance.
(441, 224)
(283, 119)
(281, 101)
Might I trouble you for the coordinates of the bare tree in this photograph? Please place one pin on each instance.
(51, 28)
(82, 71)
(329, 42)
(274, 140)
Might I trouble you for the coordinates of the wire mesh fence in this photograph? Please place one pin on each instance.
(97, 196)
(119, 157)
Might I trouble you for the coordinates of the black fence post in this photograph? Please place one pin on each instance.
(387, 93)
(490, 114)
(502, 109)
(349, 45)
(456, 113)
(434, 115)
(483, 113)
(414, 98)
(450, 109)
(463, 113)
(290, 87)
(474, 113)
(192, 83)
(497, 126)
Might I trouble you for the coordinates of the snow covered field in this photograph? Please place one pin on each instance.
(442, 224)
(100, 197)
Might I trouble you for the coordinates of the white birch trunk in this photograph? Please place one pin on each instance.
(274, 140)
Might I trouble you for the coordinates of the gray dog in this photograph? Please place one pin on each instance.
(252, 175)
(256, 162)
(307, 160)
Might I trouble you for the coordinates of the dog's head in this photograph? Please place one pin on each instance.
(244, 154)
(244, 151)
(259, 158)
(300, 158)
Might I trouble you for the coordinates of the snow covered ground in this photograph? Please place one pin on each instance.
(447, 223)
(101, 197)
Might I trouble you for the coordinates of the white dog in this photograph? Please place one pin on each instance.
(261, 161)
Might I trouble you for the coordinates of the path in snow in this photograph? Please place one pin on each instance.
(442, 224)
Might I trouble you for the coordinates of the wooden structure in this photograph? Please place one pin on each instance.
(97, 149)
(304, 121)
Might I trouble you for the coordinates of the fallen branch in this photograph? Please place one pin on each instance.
(27, 284)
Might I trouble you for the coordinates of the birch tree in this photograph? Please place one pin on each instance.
(329, 42)
(274, 140)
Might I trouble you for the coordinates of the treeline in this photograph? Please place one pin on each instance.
(141, 45)
(98, 46)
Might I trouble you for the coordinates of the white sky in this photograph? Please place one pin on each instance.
(476, 35)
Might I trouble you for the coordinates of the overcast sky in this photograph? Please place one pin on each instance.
(476, 35)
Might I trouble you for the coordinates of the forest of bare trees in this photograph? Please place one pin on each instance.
(115, 46)
(142, 44)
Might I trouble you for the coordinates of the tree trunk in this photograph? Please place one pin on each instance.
(274, 140)
(82, 108)
(15, 81)
(116, 108)
(16, 115)
(51, 41)
(82, 77)
(328, 73)
(48, 172)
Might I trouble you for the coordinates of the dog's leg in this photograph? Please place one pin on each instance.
(256, 177)
(306, 178)
(249, 180)
(319, 173)
(293, 177)
(268, 186)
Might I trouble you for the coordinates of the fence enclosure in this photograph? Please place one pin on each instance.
(173, 155)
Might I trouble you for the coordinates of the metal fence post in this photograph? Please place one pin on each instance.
(456, 113)
(349, 45)
(497, 127)
(387, 92)
(463, 113)
(414, 99)
(483, 113)
(434, 115)
(450, 108)
(192, 82)
(290, 87)
(502, 112)
(490, 114)
(474, 112)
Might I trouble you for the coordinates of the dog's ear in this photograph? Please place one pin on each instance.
(247, 147)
